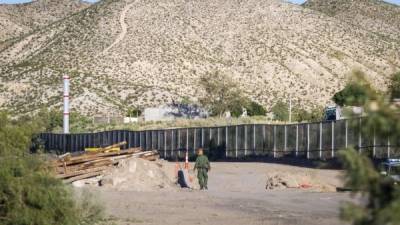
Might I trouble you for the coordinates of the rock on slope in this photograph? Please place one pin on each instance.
(123, 53)
(19, 19)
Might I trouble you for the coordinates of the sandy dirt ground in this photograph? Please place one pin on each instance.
(236, 195)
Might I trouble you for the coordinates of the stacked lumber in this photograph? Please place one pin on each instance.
(94, 163)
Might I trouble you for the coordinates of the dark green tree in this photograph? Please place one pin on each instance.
(280, 111)
(355, 93)
(382, 192)
(394, 87)
(255, 109)
(222, 94)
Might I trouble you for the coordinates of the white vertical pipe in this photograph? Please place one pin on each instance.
(66, 105)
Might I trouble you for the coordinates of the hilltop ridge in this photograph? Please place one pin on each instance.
(20, 19)
(136, 53)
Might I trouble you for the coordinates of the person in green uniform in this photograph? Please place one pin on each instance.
(202, 166)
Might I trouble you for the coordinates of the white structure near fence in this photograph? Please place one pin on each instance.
(174, 111)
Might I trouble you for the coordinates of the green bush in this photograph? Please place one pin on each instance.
(280, 111)
(394, 87)
(303, 115)
(381, 193)
(255, 109)
(29, 194)
(222, 94)
(355, 93)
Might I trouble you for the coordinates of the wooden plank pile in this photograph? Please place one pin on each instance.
(94, 162)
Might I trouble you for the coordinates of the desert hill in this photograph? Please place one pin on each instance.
(20, 19)
(372, 15)
(125, 53)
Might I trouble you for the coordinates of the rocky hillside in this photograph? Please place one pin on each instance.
(373, 15)
(20, 19)
(125, 53)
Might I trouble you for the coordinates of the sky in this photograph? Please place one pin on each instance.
(294, 1)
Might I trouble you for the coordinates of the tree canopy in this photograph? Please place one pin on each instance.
(355, 93)
(394, 87)
(223, 94)
(381, 192)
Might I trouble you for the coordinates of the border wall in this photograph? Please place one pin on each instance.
(308, 140)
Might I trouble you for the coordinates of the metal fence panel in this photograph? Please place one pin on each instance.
(315, 140)
(259, 138)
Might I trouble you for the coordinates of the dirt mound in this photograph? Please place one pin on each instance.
(280, 181)
(138, 175)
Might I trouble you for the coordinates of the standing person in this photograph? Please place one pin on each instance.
(203, 166)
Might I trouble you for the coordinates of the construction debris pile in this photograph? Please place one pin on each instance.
(96, 162)
(299, 180)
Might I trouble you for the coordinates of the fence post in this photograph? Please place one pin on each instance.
(297, 140)
(285, 148)
(264, 138)
(346, 124)
(202, 137)
(254, 139)
(165, 144)
(187, 139)
(320, 140)
(158, 140)
(274, 141)
(333, 139)
(245, 140)
(388, 149)
(172, 143)
(236, 141)
(140, 140)
(308, 141)
(209, 142)
(359, 137)
(218, 134)
(152, 135)
(194, 140)
(226, 141)
(374, 147)
(178, 145)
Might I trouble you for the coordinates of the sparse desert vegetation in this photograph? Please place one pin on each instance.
(272, 48)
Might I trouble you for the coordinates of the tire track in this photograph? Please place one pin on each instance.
(124, 27)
